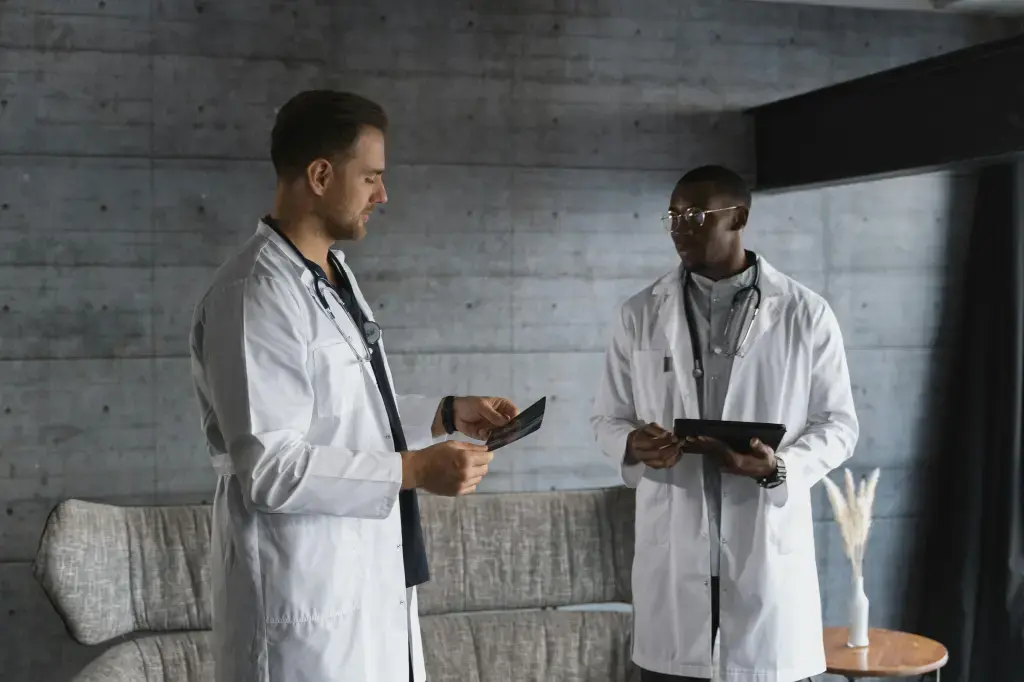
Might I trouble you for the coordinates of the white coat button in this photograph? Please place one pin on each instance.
(387, 437)
(706, 583)
(703, 533)
(401, 602)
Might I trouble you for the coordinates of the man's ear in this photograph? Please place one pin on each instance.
(742, 214)
(319, 174)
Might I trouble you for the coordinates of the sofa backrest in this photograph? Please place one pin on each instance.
(111, 570)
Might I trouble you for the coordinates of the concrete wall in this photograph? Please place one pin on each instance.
(532, 152)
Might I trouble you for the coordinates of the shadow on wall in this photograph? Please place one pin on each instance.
(943, 388)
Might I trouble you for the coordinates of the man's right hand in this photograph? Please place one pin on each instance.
(448, 468)
(653, 446)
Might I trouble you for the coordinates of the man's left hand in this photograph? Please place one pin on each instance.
(757, 463)
(477, 417)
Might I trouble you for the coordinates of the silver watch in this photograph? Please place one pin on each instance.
(776, 478)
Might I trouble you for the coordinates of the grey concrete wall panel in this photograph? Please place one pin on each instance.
(287, 29)
(86, 312)
(221, 108)
(75, 211)
(78, 103)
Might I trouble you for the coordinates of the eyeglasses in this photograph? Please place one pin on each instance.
(695, 217)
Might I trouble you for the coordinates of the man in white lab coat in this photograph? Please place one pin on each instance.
(317, 545)
(724, 538)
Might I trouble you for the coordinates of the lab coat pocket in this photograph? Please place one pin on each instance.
(652, 509)
(653, 382)
(339, 379)
(312, 566)
(789, 526)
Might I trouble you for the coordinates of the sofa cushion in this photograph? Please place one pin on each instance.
(527, 550)
(112, 570)
(173, 657)
(548, 645)
(544, 645)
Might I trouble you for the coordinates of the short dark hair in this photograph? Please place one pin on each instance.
(725, 181)
(320, 124)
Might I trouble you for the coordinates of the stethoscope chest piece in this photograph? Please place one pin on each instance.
(371, 330)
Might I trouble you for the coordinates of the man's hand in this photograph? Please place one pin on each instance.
(758, 463)
(450, 468)
(653, 446)
(476, 416)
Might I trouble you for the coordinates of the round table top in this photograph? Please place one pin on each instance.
(889, 653)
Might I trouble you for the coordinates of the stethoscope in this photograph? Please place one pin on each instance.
(755, 289)
(371, 331)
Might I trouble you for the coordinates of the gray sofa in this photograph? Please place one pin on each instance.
(503, 566)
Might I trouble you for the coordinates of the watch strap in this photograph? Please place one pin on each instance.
(448, 414)
(776, 478)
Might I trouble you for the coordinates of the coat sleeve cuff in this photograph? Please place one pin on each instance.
(613, 440)
(632, 473)
(779, 495)
(417, 419)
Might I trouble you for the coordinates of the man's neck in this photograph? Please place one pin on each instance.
(734, 265)
(306, 233)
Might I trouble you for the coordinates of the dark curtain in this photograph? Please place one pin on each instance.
(969, 577)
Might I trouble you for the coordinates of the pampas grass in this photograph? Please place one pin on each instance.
(853, 515)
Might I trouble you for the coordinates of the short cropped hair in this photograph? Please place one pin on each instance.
(320, 124)
(726, 182)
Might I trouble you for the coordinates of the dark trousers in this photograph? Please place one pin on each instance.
(649, 676)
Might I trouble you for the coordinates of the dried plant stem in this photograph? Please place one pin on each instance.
(853, 515)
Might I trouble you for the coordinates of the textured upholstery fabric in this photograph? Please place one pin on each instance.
(527, 550)
(112, 570)
(529, 646)
(178, 657)
(517, 646)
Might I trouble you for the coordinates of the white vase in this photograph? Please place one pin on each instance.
(858, 614)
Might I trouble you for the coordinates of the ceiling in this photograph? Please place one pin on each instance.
(1012, 7)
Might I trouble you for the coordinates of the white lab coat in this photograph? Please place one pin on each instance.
(792, 370)
(307, 571)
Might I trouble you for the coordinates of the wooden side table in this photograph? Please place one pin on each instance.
(890, 654)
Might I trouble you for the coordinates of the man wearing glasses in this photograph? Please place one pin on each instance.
(724, 538)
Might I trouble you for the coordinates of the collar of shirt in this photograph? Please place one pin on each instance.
(705, 287)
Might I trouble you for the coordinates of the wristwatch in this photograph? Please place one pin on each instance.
(448, 414)
(776, 478)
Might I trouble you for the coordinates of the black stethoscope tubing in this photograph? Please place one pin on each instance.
(698, 356)
(371, 331)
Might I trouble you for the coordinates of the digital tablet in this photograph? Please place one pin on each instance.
(736, 435)
(523, 424)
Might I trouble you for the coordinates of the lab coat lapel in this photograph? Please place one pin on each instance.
(365, 307)
(766, 317)
(356, 291)
(772, 289)
(342, 321)
(671, 321)
(763, 320)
